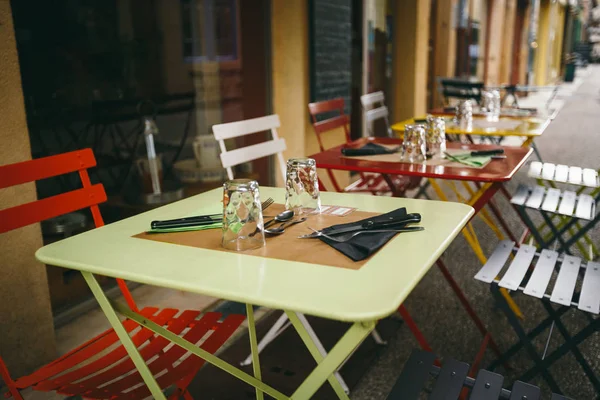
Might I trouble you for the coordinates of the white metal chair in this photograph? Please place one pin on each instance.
(231, 158)
(375, 109)
(275, 146)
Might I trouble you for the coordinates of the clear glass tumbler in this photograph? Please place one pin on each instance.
(464, 115)
(242, 215)
(436, 136)
(491, 104)
(414, 144)
(302, 186)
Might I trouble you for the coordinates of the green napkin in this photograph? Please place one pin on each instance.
(187, 228)
(468, 159)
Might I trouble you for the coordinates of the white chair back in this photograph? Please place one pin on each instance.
(275, 146)
(369, 100)
(374, 112)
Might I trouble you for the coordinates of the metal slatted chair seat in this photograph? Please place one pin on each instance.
(576, 284)
(542, 265)
(555, 201)
(101, 368)
(448, 382)
(586, 177)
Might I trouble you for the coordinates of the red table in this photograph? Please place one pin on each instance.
(497, 171)
(487, 181)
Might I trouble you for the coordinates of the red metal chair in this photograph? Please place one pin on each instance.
(368, 182)
(101, 368)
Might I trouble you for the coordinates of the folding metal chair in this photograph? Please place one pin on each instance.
(564, 212)
(368, 182)
(450, 382)
(531, 272)
(374, 110)
(461, 89)
(101, 368)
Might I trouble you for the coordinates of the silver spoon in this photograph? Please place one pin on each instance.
(281, 228)
(281, 217)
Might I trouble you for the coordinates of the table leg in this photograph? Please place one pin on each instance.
(114, 320)
(254, 348)
(330, 363)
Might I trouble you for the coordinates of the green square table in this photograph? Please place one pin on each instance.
(360, 296)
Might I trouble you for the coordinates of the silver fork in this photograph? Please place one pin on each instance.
(268, 202)
(344, 239)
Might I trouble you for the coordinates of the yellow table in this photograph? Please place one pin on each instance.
(360, 296)
(528, 128)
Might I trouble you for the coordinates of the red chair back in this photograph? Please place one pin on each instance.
(329, 124)
(89, 196)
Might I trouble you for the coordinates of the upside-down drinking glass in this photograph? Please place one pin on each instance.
(491, 104)
(436, 136)
(414, 143)
(302, 186)
(242, 215)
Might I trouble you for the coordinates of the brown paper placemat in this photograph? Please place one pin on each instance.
(395, 158)
(282, 247)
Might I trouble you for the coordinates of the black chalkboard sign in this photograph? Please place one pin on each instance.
(330, 41)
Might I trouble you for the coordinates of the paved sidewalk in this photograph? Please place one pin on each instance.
(572, 138)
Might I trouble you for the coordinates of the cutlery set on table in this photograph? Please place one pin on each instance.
(357, 239)
(244, 227)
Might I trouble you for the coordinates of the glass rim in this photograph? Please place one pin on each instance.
(415, 126)
(241, 183)
(301, 160)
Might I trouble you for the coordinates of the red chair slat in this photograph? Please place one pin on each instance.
(321, 107)
(30, 213)
(190, 366)
(156, 345)
(47, 167)
(341, 121)
(80, 354)
(64, 381)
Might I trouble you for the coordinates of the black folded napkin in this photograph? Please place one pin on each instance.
(369, 149)
(362, 246)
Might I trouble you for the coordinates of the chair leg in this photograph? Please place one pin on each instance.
(571, 344)
(536, 151)
(529, 347)
(377, 338)
(277, 329)
(321, 349)
(10, 383)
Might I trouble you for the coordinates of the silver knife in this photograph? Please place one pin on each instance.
(391, 222)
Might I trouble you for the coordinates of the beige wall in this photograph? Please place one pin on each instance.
(542, 52)
(497, 33)
(410, 57)
(26, 330)
(445, 43)
(478, 10)
(290, 84)
(508, 39)
(289, 44)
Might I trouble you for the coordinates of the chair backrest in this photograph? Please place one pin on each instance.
(341, 120)
(375, 109)
(275, 146)
(460, 89)
(89, 196)
(369, 100)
